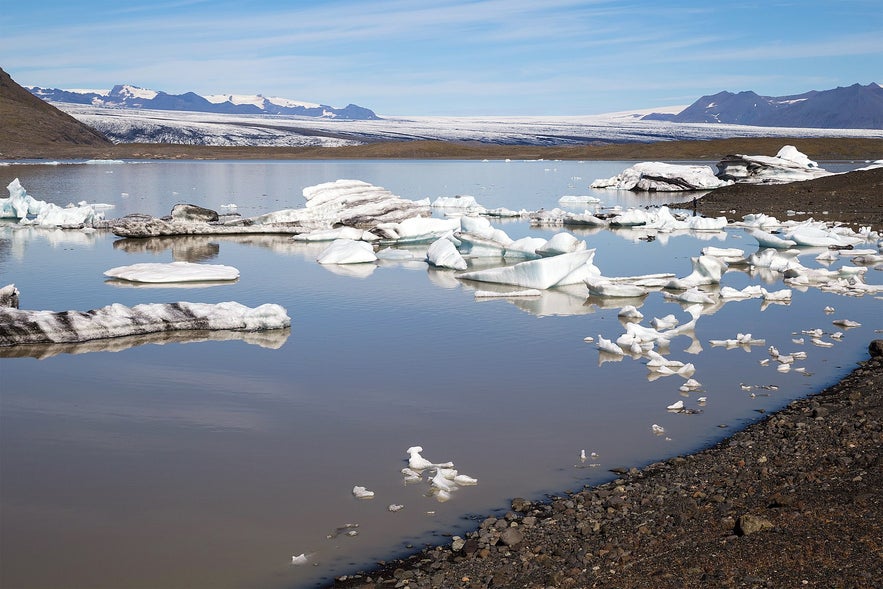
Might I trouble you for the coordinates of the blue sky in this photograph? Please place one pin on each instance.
(455, 57)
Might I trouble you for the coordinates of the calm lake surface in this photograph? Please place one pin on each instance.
(211, 463)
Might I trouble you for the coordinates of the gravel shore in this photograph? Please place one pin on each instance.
(794, 500)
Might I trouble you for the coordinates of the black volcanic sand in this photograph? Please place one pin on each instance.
(794, 500)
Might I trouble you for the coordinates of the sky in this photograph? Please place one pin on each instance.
(448, 57)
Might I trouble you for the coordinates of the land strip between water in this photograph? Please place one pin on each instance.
(826, 149)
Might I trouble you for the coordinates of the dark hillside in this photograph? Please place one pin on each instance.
(27, 121)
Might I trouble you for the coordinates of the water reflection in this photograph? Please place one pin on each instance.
(271, 339)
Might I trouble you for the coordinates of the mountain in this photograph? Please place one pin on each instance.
(128, 96)
(853, 107)
(29, 121)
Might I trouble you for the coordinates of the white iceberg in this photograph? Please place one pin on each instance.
(336, 233)
(598, 286)
(770, 240)
(443, 254)
(542, 273)
(417, 229)
(706, 270)
(30, 211)
(561, 243)
(661, 177)
(173, 272)
(18, 327)
(526, 247)
(360, 492)
(347, 251)
(578, 199)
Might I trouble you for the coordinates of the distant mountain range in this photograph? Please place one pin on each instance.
(128, 96)
(853, 107)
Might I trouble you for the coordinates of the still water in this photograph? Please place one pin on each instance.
(210, 463)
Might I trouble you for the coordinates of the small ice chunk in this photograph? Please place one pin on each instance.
(394, 507)
(362, 493)
(630, 312)
(847, 323)
(676, 406)
(300, 559)
(657, 429)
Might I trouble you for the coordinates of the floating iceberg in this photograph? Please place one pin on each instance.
(657, 176)
(542, 273)
(443, 254)
(174, 272)
(350, 203)
(561, 243)
(347, 251)
(30, 211)
(20, 327)
(706, 270)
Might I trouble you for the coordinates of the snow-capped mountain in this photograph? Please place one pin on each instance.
(128, 96)
(853, 107)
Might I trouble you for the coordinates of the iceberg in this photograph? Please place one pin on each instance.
(21, 327)
(661, 177)
(443, 254)
(174, 272)
(788, 165)
(767, 240)
(30, 211)
(417, 229)
(542, 273)
(526, 247)
(706, 270)
(350, 203)
(347, 251)
(561, 243)
(598, 286)
(336, 233)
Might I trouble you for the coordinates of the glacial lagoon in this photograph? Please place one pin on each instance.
(212, 461)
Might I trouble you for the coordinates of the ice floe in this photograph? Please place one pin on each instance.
(347, 251)
(173, 272)
(443, 254)
(31, 211)
(22, 327)
(543, 273)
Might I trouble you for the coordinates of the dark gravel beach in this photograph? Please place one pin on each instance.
(794, 500)
(854, 199)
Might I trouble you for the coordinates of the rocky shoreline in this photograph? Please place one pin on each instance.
(794, 500)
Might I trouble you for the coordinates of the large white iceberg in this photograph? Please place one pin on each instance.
(173, 272)
(542, 273)
(22, 327)
(661, 177)
(349, 203)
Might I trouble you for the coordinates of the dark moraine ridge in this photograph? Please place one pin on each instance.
(794, 500)
(854, 198)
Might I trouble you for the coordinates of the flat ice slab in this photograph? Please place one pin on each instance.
(173, 272)
(18, 327)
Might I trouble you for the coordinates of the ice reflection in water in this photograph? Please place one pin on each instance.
(213, 463)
